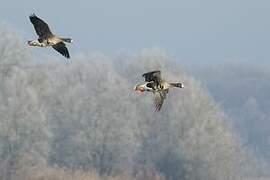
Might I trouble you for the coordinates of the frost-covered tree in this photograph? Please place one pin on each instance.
(91, 117)
(23, 132)
(191, 132)
(242, 92)
(85, 115)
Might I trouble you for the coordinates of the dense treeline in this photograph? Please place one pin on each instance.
(79, 119)
(243, 93)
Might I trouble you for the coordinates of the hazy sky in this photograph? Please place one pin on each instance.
(192, 30)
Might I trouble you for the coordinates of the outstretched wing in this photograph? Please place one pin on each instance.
(159, 98)
(42, 28)
(62, 49)
(152, 76)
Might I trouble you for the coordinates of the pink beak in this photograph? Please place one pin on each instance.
(139, 89)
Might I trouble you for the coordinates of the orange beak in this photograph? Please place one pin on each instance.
(139, 89)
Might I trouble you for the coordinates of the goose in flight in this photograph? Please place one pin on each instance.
(47, 38)
(159, 87)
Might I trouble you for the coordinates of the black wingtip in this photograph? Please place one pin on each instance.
(151, 72)
(67, 55)
(33, 15)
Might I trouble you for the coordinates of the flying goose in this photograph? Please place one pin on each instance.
(159, 87)
(47, 38)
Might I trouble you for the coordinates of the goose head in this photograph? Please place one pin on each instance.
(139, 88)
(35, 43)
(148, 86)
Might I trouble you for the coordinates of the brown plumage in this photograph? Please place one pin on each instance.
(159, 98)
(41, 27)
(47, 38)
(160, 88)
(152, 76)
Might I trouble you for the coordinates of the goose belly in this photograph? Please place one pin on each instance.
(53, 40)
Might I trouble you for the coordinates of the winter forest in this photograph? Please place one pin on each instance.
(80, 119)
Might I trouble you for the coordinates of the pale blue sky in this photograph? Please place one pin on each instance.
(199, 31)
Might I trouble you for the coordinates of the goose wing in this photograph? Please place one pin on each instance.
(152, 76)
(62, 49)
(152, 85)
(159, 98)
(42, 28)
